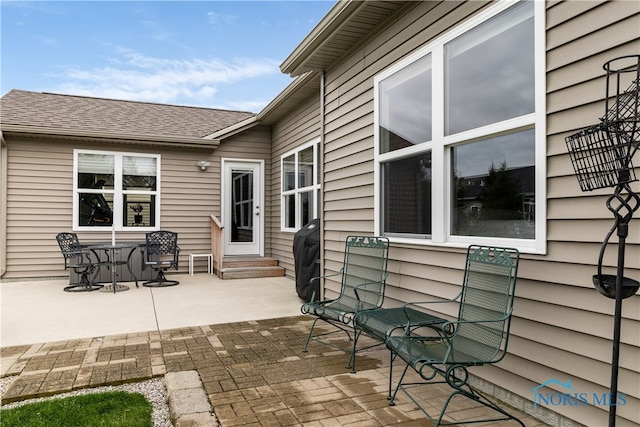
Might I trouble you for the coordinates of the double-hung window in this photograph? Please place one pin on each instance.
(300, 186)
(460, 138)
(113, 189)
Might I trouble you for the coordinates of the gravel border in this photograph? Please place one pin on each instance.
(153, 390)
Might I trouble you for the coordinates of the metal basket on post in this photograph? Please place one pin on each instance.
(601, 156)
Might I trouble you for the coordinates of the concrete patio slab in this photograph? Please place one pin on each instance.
(40, 311)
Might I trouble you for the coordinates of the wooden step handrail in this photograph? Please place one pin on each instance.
(217, 239)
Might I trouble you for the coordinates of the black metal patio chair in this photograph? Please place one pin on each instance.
(161, 253)
(478, 336)
(364, 275)
(79, 260)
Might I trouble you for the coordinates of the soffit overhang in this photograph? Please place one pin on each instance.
(341, 29)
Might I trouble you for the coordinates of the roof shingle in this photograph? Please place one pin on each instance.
(71, 112)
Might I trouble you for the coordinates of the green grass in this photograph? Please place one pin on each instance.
(108, 409)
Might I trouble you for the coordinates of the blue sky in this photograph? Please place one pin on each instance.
(218, 54)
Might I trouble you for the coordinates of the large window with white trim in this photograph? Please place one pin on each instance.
(116, 190)
(459, 134)
(300, 186)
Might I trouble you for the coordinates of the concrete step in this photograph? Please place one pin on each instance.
(251, 272)
(250, 267)
(248, 261)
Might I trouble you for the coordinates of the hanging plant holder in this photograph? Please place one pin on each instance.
(601, 156)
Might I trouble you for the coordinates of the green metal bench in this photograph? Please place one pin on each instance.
(364, 274)
(479, 336)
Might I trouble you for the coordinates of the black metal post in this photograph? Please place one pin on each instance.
(623, 231)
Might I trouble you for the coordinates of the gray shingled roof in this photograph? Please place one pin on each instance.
(68, 112)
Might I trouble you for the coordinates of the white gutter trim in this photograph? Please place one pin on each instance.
(233, 129)
(276, 103)
(284, 96)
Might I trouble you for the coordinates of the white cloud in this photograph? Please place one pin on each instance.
(134, 76)
(217, 18)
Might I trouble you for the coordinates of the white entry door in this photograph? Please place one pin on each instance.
(242, 207)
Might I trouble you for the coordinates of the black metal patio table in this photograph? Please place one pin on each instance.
(112, 262)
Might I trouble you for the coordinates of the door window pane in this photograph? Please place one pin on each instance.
(405, 107)
(489, 72)
(407, 195)
(242, 202)
(494, 181)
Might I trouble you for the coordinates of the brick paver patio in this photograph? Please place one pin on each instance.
(254, 373)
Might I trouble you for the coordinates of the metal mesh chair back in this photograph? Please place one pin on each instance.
(488, 294)
(69, 246)
(365, 262)
(161, 243)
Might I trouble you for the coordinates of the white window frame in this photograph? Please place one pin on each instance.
(118, 192)
(440, 145)
(297, 191)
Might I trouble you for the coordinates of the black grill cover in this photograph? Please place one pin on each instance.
(306, 254)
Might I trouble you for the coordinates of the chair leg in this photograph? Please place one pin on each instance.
(460, 388)
(392, 396)
(160, 281)
(306, 344)
(352, 358)
(84, 285)
(463, 388)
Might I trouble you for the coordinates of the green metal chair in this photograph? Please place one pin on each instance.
(479, 336)
(364, 275)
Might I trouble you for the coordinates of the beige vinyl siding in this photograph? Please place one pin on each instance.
(575, 332)
(562, 327)
(39, 199)
(348, 180)
(299, 127)
(35, 176)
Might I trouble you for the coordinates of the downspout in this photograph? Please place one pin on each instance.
(322, 203)
(3, 204)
